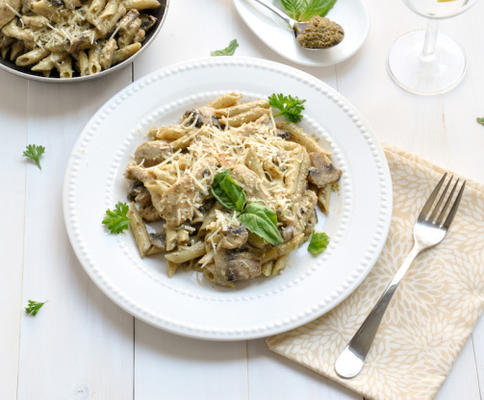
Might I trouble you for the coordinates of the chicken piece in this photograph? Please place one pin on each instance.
(250, 182)
(322, 171)
(152, 153)
(178, 203)
(302, 214)
(237, 264)
(139, 194)
(149, 213)
(234, 237)
(7, 12)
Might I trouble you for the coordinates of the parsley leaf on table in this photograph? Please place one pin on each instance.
(33, 307)
(480, 120)
(34, 152)
(117, 220)
(228, 51)
(290, 107)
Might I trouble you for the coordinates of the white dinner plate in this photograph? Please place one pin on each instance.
(352, 15)
(186, 304)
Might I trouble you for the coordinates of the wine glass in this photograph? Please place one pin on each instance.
(426, 62)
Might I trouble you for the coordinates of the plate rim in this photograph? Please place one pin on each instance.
(384, 180)
(315, 63)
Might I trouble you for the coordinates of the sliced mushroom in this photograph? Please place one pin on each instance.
(234, 237)
(147, 21)
(322, 171)
(151, 153)
(232, 265)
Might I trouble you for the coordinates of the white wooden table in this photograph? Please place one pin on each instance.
(81, 345)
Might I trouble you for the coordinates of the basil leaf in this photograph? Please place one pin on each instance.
(319, 242)
(261, 221)
(228, 51)
(227, 191)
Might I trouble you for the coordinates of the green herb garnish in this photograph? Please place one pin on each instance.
(303, 10)
(227, 191)
(256, 217)
(290, 107)
(33, 307)
(319, 242)
(480, 120)
(262, 221)
(34, 152)
(117, 220)
(228, 51)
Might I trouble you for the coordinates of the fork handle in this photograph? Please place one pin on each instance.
(350, 362)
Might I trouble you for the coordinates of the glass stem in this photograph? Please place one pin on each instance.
(428, 51)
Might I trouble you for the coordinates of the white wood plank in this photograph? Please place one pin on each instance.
(178, 368)
(274, 377)
(80, 345)
(13, 136)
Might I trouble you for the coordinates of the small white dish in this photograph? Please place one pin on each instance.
(352, 15)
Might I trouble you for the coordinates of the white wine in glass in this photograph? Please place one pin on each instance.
(426, 62)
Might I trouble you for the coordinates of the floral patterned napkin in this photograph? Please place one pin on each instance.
(433, 311)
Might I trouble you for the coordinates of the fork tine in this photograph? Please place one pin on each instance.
(430, 200)
(435, 211)
(442, 214)
(453, 210)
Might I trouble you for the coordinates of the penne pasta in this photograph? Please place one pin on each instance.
(93, 61)
(15, 50)
(142, 4)
(299, 136)
(125, 52)
(83, 62)
(31, 57)
(226, 100)
(245, 117)
(186, 253)
(279, 265)
(107, 52)
(285, 248)
(64, 66)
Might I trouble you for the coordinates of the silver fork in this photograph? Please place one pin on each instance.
(430, 229)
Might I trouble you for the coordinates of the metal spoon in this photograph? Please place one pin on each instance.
(297, 27)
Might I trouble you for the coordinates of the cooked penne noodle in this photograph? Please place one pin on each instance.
(324, 199)
(104, 25)
(64, 67)
(252, 162)
(279, 265)
(127, 34)
(94, 65)
(267, 268)
(14, 31)
(240, 108)
(167, 132)
(107, 52)
(172, 267)
(283, 249)
(83, 62)
(142, 4)
(170, 238)
(139, 231)
(244, 117)
(125, 52)
(299, 136)
(35, 21)
(15, 50)
(186, 253)
(226, 100)
(302, 182)
(109, 10)
(31, 57)
(95, 8)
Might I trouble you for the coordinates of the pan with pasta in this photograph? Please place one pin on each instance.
(233, 191)
(74, 38)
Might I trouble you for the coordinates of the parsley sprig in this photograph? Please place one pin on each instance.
(303, 10)
(319, 242)
(228, 51)
(33, 307)
(34, 152)
(480, 120)
(256, 217)
(117, 220)
(289, 106)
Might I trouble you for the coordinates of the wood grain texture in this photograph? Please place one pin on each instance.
(79, 346)
(13, 123)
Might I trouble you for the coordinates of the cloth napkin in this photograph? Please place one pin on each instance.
(433, 311)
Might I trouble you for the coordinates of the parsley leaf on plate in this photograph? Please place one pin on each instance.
(34, 152)
(117, 220)
(289, 106)
(228, 51)
(319, 242)
(33, 307)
